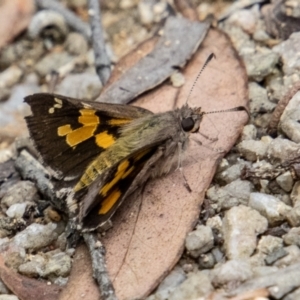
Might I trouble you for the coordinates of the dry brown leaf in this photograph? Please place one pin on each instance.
(149, 231)
(15, 16)
(81, 283)
(27, 288)
(130, 60)
(180, 38)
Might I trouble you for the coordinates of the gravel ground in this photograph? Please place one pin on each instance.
(248, 234)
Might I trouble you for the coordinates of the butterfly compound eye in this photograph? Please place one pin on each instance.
(187, 124)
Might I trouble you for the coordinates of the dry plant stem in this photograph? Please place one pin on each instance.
(31, 169)
(102, 61)
(72, 20)
(283, 102)
(100, 274)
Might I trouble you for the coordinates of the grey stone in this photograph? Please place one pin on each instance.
(263, 270)
(169, 284)
(16, 210)
(58, 265)
(285, 181)
(36, 236)
(279, 283)
(62, 241)
(240, 39)
(262, 120)
(293, 216)
(234, 193)
(268, 243)
(259, 101)
(10, 76)
(270, 207)
(292, 237)
(295, 194)
(260, 65)
(76, 44)
(8, 297)
(215, 222)
(199, 241)
(231, 271)
(258, 259)
(206, 261)
(281, 150)
(197, 285)
(294, 295)
(275, 256)
(223, 165)
(261, 36)
(254, 150)
(241, 225)
(232, 173)
(177, 79)
(218, 254)
(61, 281)
(287, 50)
(16, 257)
(244, 18)
(289, 121)
(33, 268)
(22, 191)
(249, 132)
(52, 61)
(275, 87)
(83, 86)
(293, 257)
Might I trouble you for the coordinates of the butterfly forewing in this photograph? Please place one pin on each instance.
(76, 130)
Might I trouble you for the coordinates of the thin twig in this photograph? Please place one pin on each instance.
(102, 61)
(97, 252)
(31, 169)
(72, 20)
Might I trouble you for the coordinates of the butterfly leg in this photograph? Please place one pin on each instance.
(179, 167)
(207, 137)
(219, 150)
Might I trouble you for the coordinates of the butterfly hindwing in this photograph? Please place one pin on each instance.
(102, 198)
(69, 133)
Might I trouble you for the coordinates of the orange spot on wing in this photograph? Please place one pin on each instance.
(89, 121)
(109, 202)
(104, 139)
(118, 122)
(88, 117)
(120, 172)
(64, 130)
(127, 172)
(79, 135)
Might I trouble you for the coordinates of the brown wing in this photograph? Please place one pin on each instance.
(69, 133)
(100, 200)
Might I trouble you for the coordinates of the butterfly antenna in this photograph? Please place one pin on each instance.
(238, 108)
(210, 57)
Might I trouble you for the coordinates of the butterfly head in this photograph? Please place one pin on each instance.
(191, 118)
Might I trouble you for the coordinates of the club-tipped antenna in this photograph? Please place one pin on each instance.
(210, 57)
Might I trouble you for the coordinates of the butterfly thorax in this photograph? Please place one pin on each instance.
(146, 133)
